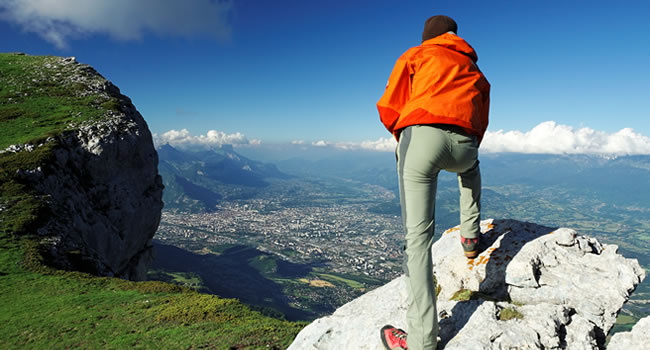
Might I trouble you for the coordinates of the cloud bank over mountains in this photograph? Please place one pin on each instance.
(546, 138)
(552, 138)
(183, 139)
(59, 21)
(383, 144)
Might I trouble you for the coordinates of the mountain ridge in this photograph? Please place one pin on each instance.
(200, 179)
(80, 197)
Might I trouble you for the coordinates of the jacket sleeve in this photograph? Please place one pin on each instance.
(397, 93)
(485, 111)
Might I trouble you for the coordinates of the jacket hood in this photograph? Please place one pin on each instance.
(453, 42)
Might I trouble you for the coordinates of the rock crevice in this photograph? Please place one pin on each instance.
(562, 291)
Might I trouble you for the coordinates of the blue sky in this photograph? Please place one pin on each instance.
(281, 71)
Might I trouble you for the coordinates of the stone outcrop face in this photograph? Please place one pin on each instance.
(103, 188)
(638, 338)
(563, 289)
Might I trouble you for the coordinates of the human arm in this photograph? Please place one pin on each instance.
(397, 93)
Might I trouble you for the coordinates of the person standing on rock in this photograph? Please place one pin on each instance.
(436, 106)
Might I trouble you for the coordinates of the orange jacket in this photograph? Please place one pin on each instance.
(437, 82)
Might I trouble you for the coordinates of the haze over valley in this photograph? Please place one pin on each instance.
(304, 234)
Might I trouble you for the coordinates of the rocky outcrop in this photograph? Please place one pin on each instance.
(532, 287)
(102, 185)
(638, 338)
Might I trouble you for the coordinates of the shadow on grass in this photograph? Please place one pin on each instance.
(230, 275)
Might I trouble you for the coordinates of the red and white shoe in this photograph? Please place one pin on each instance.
(470, 246)
(393, 338)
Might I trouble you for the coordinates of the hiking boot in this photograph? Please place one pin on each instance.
(393, 338)
(470, 246)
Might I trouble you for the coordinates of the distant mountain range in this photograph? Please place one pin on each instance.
(604, 197)
(198, 180)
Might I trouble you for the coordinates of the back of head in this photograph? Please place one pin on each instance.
(437, 25)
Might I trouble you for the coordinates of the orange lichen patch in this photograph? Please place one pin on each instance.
(483, 260)
(470, 263)
(453, 229)
(320, 283)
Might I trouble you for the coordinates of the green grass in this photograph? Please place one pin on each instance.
(333, 278)
(186, 279)
(468, 294)
(265, 264)
(36, 104)
(462, 295)
(44, 308)
(624, 323)
(510, 313)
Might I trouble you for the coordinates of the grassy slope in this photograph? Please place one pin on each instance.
(42, 308)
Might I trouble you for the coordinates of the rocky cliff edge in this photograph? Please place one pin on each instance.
(532, 287)
(100, 182)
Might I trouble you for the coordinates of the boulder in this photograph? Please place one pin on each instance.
(638, 338)
(102, 186)
(531, 287)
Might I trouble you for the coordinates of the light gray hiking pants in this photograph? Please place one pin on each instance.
(423, 151)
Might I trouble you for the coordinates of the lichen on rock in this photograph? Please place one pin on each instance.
(562, 290)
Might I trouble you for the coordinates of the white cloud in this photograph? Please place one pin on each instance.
(58, 21)
(185, 140)
(552, 138)
(546, 138)
(383, 144)
(386, 144)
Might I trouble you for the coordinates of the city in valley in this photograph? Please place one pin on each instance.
(300, 246)
(302, 252)
(348, 238)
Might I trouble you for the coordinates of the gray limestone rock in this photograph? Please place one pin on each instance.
(564, 290)
(638, 338)
(102, 187)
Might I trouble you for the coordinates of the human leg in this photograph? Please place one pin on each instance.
(419, 150)
(465, 163)
(469, 184)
